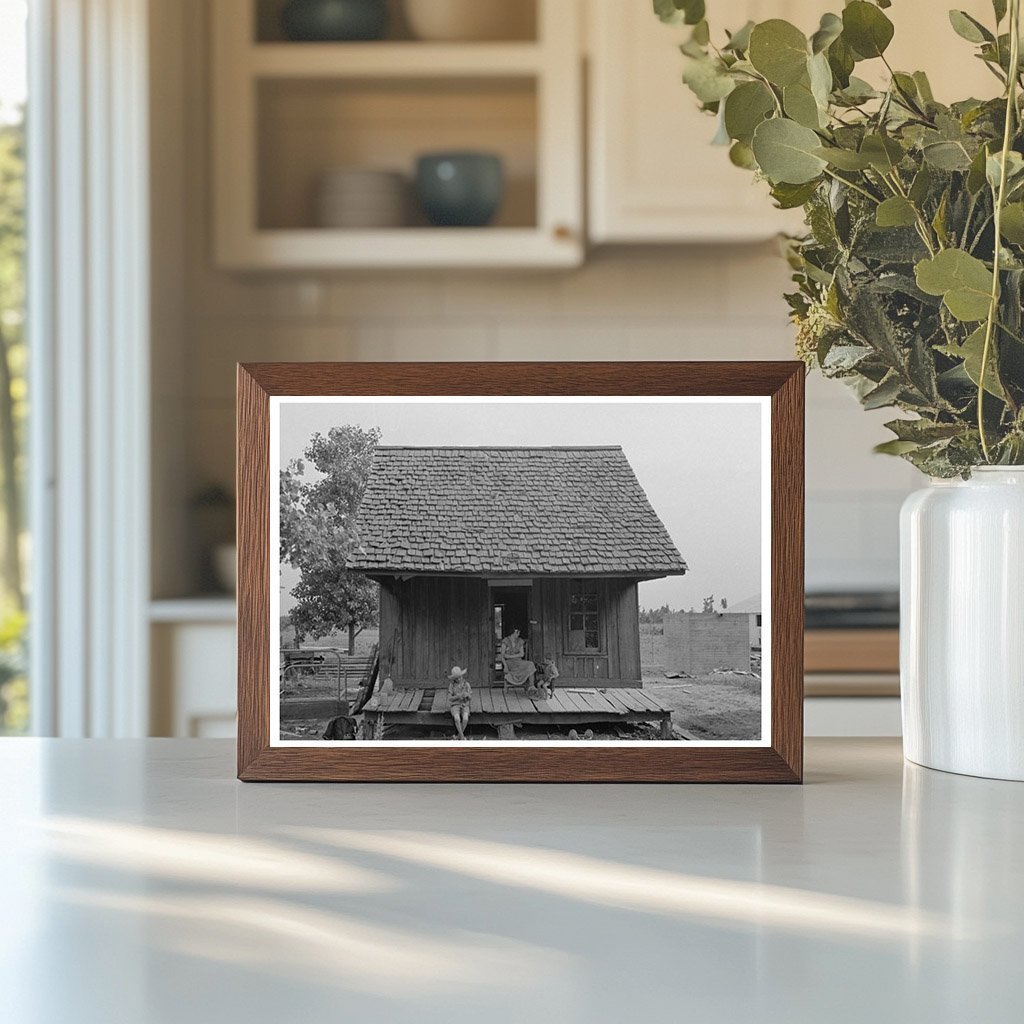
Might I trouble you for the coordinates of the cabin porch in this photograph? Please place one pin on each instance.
(569, 706)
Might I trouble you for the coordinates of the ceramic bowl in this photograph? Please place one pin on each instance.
(334, 20)
(460, 189)
(358, 197)
(469, 20)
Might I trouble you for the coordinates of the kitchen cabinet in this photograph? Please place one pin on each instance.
(193, 672)
(287, 113)
(653, 175)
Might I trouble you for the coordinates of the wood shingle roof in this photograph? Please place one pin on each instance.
(509, 511)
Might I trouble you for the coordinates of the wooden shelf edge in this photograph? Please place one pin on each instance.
(392, 60)
(408, 248)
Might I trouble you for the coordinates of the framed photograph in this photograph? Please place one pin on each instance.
(520, 572)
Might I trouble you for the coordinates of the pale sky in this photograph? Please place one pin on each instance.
(12, 55)
(698, 463)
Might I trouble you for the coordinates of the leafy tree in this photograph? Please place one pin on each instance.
(320, 495)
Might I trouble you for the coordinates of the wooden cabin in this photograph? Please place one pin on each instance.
(468, 544)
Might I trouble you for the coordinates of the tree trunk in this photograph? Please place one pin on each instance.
(11, 494)
(351, 638)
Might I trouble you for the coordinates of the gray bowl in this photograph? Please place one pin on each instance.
(461, 190)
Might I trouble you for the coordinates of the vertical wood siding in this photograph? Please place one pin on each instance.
(443, 621)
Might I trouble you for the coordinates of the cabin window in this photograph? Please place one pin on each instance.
(584, 616)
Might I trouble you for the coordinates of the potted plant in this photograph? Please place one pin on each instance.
(908, 289)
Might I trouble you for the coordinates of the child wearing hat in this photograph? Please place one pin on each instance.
(459, 693)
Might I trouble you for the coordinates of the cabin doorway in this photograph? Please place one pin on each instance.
(510, 609)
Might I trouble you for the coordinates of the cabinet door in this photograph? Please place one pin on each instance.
(654, 176)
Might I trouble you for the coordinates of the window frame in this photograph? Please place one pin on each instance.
(600, 597)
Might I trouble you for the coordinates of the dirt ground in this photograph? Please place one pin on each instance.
(722, 706)
(718, 706)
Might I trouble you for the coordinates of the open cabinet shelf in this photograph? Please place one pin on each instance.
(286, 114)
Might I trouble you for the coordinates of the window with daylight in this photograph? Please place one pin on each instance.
(13, 393)
(584, 617)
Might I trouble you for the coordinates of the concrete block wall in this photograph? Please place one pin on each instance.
(698, 642)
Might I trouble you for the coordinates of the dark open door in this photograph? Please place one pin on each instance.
(510, 609)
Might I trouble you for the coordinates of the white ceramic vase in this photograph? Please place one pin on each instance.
(962, 624)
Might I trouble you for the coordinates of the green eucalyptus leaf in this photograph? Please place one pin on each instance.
(829, 30)
(745, 108)
(999, 7)
(923, 431)
(741, 155)
(844, 159)
(896, 447)
(963, 281)
(858, 91)
(896, 212)
(708, 80)
(1012, 223)
(994, 169)
(841, 60)
(800, 105)
(785, 152)
(789, 197)
(921, 185)
(939, 220)
(721, 136)
(866, 29)
(969, 28)
(972, 352)
(884, 395)
(819, 74)
(676, 12)
(739, 41)
(779, 51)
(924, 87)
(883, 153)
(976, 173)
(701, 33)
(946, 156)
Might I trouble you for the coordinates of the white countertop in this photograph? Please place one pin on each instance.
(143, 885)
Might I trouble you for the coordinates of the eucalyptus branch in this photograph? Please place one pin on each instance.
(1000, 199)
(853, 185)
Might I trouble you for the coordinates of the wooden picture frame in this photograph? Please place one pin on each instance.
(779, 759)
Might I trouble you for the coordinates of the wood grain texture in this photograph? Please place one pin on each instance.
(673, 762)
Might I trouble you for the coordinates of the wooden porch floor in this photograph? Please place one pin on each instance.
(572, 705)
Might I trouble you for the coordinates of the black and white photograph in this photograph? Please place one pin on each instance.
(544, 570)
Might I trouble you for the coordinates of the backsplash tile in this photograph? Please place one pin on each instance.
(718, 302)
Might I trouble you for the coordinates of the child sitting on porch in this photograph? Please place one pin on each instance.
(548, 673)
(459, 693)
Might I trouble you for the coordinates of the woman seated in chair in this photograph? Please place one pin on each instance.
(518, 671)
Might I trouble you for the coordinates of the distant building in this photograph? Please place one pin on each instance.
(752, 608)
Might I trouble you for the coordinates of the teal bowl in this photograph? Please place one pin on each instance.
(460, 190)
(334, 21)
